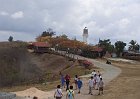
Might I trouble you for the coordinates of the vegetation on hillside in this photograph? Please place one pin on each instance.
(16, 67)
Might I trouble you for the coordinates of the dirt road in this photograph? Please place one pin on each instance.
(126, 85)
(110, 72)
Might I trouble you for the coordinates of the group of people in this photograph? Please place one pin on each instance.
(95, 82)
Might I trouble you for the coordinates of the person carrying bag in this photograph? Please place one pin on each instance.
(58, 93)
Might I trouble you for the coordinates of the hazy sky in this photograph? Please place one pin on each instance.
(113, 19)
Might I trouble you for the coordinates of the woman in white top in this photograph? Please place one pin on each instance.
(58, 93)
(93, 73)
(91, 85)
(97, 81)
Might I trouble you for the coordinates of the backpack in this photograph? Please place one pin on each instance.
(59, 93)
(70, 94)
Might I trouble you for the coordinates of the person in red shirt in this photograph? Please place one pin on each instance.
(67, 79)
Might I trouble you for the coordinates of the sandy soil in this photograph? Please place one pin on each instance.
(31, 92)
(126, 85)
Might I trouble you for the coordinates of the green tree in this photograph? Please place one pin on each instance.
(10, 39)
(49, 32)
(134, 46)
(119, 46)
(106, 45)
(111, 48)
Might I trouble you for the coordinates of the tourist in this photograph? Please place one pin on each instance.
(100, 76)
(70, 93)
(58, 93)
(62, 81)
(79, 83)
(75, 81)
(91, 84)
(93, 73)
(97, 82)
(67, 79)
(101, 84)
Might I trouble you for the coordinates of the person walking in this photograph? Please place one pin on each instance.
(101, 85)
(75, 81)
(62, 81)
(93, 73)
(91, 85)
(67, 79)
(70, 93)
(79, 83)
(58, 93)
(97, 82)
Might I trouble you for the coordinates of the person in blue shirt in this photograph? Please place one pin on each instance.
(79, 84)
(62, 81)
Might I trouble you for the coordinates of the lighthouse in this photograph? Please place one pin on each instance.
(85, 35)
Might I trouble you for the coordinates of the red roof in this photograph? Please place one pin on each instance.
(41, 44)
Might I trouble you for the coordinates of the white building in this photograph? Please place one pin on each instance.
(85, 34)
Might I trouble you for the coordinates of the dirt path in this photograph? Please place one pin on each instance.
(126, 85)
(110, 72)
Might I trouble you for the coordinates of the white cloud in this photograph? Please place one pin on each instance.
(123, 23)
(17, 15)
(3, 13)
(113, 19)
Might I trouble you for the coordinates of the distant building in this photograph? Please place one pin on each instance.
(39, 47)
(131, 55)
(85, 34)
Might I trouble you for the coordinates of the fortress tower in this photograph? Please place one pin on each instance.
(85, 34)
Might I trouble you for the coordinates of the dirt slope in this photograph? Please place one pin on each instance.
(18, 66)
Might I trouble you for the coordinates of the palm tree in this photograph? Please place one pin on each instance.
(134, 46)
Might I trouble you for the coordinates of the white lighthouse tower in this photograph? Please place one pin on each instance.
(85, 34)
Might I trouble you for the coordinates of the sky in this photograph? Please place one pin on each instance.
(105, 19)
